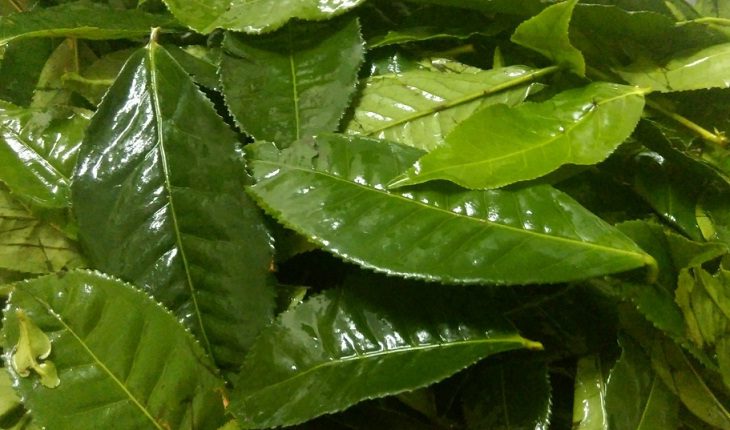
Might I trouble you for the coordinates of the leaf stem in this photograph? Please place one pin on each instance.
(705, 20)
(716, 138)
(529, 77)
(17, 6)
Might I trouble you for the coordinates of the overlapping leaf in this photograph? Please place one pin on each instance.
(589, 401)
(254, 16)
(38, 149)
(547, 33)
(158, 196)
(636, 398)
(360, 342)
(706, 68)
(145, 373)
(31, 245)
(419, 108)
(294, 83)
(500, 145)
(332, 190)
(82, 19)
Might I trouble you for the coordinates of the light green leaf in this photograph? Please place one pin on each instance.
(159, 198)
(93, 81)
(589, 399)
(706, 68)
(33, 346)
(12, 414)
(294, 83)
(363, 341)
(254, 16)
(513, 394)
(636, 398)
(332, 191)
(38, 150)
(31, 245)
(418, 108)
(547, 33)
(499, 145)
(716, 8)
(82, 19)
(146, 372)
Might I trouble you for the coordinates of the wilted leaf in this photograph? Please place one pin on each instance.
(332, 190)
(158, 196)
(419, 108)
(360, 342)
(294, 83)
(145, 373)
(500, 145)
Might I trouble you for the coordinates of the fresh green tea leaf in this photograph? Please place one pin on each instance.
(547, 33)
(159, 201)
(254, 16)
(499, 145)
(589, 401)
(123, 361)
(294, 83)
(21, 66)
(706, 68)
(82, 19)
(335, 349)
(419, 108)
(38, 149)
(332, 190)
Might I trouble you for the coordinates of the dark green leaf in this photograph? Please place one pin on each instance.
(636, 398)
(499, 145)
(332, 190)
(145, 373)
(547, 33)
(360, 342)
(294, 83)
(508, 395)
(515, 7)
(258, 16)
(706, 68)
(158, 196)
(38, 149)
(21, 66)
(30, 245)
(81, 19)
(419, 108)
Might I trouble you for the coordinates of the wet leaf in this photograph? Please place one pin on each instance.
(419, 108)
(294, 83)
(589, 402)
(334, 350)
(159, 201)
(500, 145)
(145, 373)
(332, 191)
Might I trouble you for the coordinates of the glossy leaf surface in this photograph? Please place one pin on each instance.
(636, 398)
(38, 150)
(547, 33)
(145, 373)
(332, 191)
(31, 245)
(82, 19)
(294, 83)
(419, 108)
(254, 16)
(508, 395)
(706, 68)
(158, 198)
(337, 348)
(499, 145)
(589, 402)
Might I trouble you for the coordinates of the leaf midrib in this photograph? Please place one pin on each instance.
(512, 339)
(168, 189)
(43, 160)
(643, 257)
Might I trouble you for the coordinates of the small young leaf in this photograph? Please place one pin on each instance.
(33, 345)
(418, 108)
(706, 68)
(332, 190)
(499, 145)
(363, 341)
(258, 16)
(547, 33)
(146, 372)
(294, 83)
